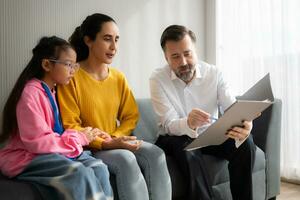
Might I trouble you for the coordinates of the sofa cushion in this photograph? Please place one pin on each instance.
(218, 168)
(13, 189)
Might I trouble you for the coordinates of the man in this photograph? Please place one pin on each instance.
(186, 95)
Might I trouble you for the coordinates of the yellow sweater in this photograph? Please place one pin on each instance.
(86, 101)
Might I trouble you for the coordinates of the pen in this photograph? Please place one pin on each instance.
(213, 118)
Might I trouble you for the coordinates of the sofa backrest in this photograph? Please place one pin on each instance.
(147, 128)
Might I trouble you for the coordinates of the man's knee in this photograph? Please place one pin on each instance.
(173, 144)
(248, 146)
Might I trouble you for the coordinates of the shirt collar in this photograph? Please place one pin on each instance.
(198, 73)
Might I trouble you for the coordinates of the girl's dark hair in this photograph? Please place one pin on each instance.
(48, 47)
(175, 33)
(89, 27)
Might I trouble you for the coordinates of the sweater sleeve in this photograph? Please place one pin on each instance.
(36, 132)
(128, 111)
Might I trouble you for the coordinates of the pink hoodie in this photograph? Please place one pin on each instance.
(35, 135)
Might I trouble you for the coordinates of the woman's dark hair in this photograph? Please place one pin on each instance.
(89, 27)
(175, 33)
(48, 47)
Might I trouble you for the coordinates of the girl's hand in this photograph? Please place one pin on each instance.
(91, 133)
(123, 142)
(104, 135)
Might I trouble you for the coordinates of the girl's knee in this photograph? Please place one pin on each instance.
(103, 170)
(77, 168)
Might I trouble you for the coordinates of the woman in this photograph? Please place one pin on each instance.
(99, 96)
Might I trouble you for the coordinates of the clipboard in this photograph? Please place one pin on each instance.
(238, 111)
(247, 107)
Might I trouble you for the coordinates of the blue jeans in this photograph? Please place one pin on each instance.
(141, 175)
(58, 177)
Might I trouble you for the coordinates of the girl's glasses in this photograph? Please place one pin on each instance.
(68, 64)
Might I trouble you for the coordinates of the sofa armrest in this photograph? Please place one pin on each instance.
(266, 133)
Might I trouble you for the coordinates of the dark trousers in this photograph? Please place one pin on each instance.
(192, 165)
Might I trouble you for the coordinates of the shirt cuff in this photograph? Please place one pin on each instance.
(186, 130)
(238, 143)
(203, 128)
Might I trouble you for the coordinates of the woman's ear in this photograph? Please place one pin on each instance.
(46, 64)
(87, 41)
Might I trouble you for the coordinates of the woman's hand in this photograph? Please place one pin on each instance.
(123, 142)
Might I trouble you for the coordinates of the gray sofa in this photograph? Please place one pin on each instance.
(266, 178)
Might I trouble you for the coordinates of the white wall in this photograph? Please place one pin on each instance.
(210, 27)
(141, 23)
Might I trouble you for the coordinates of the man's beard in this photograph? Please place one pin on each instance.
(185, 72)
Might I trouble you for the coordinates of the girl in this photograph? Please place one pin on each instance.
(39, 150)
(99, 96)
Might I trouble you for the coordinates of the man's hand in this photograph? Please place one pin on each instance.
(123, 142)
(197, 118)
(240, 133)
